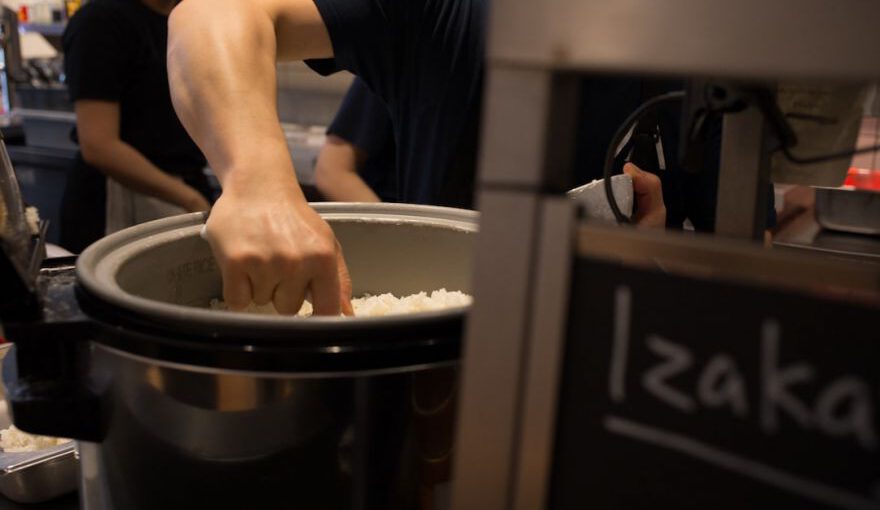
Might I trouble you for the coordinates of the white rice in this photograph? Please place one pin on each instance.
(13, 440)
(377, 306)
(32, 217)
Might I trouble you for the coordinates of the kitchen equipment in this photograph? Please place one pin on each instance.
(181, 406)
(848, 210)
(32, 477)
(22, 251)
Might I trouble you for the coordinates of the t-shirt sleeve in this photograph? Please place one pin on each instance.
(362, 119)
(367, 38)
(97, 54)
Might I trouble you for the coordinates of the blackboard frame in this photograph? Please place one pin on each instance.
(640, 451)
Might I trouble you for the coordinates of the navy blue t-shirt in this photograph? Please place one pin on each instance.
(363, 121)
(424, 60)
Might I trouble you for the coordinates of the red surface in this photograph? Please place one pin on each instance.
(860, 178)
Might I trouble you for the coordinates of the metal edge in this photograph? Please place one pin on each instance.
(95, 262)
(728, 259)
(41, 456)
(543, 365)
(207, 370)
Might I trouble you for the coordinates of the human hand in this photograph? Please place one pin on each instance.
(650, 208)
(272, 247)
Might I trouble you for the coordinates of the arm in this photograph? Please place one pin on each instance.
(97, 125)
(336, 172)
(270, 245)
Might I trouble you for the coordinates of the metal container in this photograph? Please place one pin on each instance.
(848, 210)
(33, 477)
(180, 406)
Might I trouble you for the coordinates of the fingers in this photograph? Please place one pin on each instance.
(325, 288)
(264, 279)
(236, 287)
(648, 191)
(269, 257)
(289, 295)
(344, 282)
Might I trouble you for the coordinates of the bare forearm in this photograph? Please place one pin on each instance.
(221, 69)
(345, 187)
(221, 65)
(336, 173)
(126, 165)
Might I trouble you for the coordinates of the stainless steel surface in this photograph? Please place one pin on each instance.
(743, 177)
(224, 438)
(238, 440)
(848, 210)
(495, 340)
(806, 234)
(39, 476)
(750, 39)
(544, 357)
(33, 477)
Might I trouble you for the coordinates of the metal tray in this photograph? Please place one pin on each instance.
(848, 210)
(33, 477)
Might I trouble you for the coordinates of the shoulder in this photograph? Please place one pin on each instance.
(99, 16)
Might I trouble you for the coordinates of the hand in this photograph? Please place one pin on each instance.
(650, 209)
(272, 247)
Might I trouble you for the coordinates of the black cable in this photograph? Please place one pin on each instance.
(624, 128)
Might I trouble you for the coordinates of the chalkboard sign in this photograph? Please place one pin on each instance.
(689, 394)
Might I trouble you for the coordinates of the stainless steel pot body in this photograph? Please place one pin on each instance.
(209, 409)
(184, 437)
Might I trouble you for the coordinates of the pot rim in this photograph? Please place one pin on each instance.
(99, 263)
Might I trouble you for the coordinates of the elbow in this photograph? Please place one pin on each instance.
(93, 153)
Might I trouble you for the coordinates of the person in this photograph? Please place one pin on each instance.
(356, 163)
(424, 60)
(126, 127)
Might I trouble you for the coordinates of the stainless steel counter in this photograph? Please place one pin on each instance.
(804, 233)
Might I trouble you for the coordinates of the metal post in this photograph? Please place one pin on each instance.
(744, 176)
(527, 153)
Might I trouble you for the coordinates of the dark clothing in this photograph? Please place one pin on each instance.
(424, 60)
(115, 50)
(83, 213)
(363, 121)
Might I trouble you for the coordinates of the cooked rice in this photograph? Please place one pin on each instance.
(32, 217)
(377, 306)
(13, 440)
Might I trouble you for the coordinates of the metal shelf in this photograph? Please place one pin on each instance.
(50, 29)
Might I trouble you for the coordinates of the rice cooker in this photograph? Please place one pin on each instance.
(176, 405)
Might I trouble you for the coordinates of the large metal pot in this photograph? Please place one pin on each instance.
(194, 407)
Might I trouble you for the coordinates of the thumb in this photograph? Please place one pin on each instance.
(648, 193)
